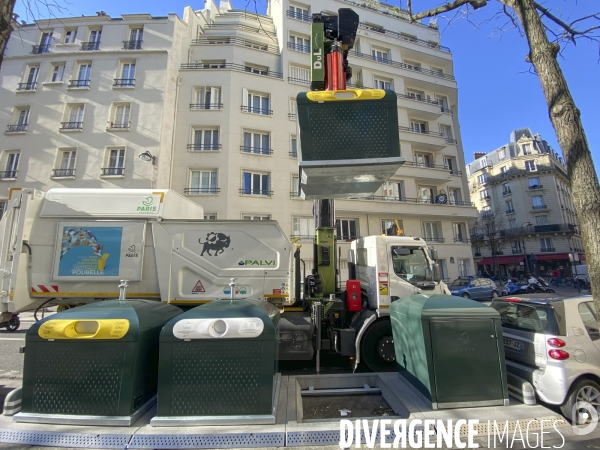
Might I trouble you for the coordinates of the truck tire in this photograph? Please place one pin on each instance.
(377, 347)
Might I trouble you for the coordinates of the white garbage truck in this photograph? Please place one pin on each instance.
(71, 246)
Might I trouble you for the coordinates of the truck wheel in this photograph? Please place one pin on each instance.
(13, 324)
(63, 307)
(584, 390)
(377, 347)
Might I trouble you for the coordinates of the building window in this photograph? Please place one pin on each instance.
(460, 232)
(210, 216)
(203, 182)
(299, 75)
(295, 192)
(530, 166)
(293, 109)
(2, 208)
(427, 194)
(70, 36)
(393, 190)
(546, 245)
(443, 102)
(93, 42)
(30, 79)
(259, 70)
(516, 247)
(299, 12)
(534, 183)
(484, 194)
(83, 76)
(256, 184)
(455, 196)
(538, 202)
(392, 227)
(418, 126)
(207, 97)
(503, 169)
(437, 71)
(256, 103)
(502, 153)
(116, 163)
(527, 149)
(256, 217)
(66, 164)
(303, 227)
(509, 207)
(57, 72)
(446, 131)
(424, 159)
(293, 147)
(120, 118)
(432, 231)
(483, 162)
(506, 189)
(412, 65)
(483, 178)
(541, 220)
(380, 83)
(127, 74)
(20, 119)
(450, 164)
(380, 55)
(416, 95)
(135, 39)
(300, 44)
(346, 228)
(205, 139)
(256, 142)
(11, 165)
(74, 118)
(45, 43)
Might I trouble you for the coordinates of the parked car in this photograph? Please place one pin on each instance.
(555, 345)
(474, 288)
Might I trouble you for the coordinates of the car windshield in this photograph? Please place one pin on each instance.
(411, 264)
(460, 283)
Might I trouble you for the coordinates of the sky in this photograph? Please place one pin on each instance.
(497, 91)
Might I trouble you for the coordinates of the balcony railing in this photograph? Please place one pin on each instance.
(432, 166)
(27, 86)
(132, 45)
(477, 254)
(506, 192)
(19, 128)
(298, 47)
(536, 186)
(258, 192)
(113, 171)
(391, 198)
(39, 49)
(294, 154)
(461, 239)
(430, 133)
(230, 40)
(206, 147)
(294, 194)
(71, 125)
(400, 65)
(298, 16)
(240, 26)
(510, 211)
(6, 174)
(515, 171)
(259, 111)
(124, 82)
(547, 249)
(89, 46)
(63, 173)
(556, 227)
(540, 206)
(79, 83)
(200, 106)
(300, 81)
(292, 116)
(119, 125)
(199, 190)
(256, 150)
(397, 35)
(434, 239)
(231, 66)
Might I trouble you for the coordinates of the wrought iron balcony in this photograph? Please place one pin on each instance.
(256, 150)
(536, 186)
(298, 47)
(39, 49)
(200, 106)
(89, 46)
(27, 86)
(204, 147)
(124, 82)
(79, 83)
(257, 192)
(18, 128)
(112, 171)
(231, 66)
(260, 111)
(298, 16)
(71, 125)
(199, 190)
(63, 173)
(132, 45)
(540, 206)
(7, 174)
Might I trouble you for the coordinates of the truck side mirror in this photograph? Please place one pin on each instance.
(437, 273)
(433, 253)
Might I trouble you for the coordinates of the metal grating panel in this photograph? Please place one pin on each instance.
(216, 378)
(175, 441)
(78, 379)
(331, 437)
(50, 439)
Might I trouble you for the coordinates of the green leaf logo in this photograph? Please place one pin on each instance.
(148, 201)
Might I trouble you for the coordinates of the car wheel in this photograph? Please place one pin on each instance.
(584, 390)
(494, 295)
(466, 295)
(377, 347)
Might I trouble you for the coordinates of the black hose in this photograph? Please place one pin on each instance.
(40, 307)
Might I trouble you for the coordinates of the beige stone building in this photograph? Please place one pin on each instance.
(524, 185)
(213, 104)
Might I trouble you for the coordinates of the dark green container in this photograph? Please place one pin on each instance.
(451, 349)
(98, 360)
(219, 360)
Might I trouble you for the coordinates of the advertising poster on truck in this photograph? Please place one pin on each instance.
(111, 251)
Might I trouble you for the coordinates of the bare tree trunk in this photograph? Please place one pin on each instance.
(6, 12)
(566, 121)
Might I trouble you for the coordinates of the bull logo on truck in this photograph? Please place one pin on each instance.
(215, 242)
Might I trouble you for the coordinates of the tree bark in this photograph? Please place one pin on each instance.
(566, 120)
(6, 13)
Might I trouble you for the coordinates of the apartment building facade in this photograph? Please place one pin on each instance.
(524, 187)
(227, 134)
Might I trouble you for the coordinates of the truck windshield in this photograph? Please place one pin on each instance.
(411, 264)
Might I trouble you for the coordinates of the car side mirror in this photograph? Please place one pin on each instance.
(433, 253)
(437, 273)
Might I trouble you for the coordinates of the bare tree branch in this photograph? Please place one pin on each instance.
(475, 4)
(568, 27)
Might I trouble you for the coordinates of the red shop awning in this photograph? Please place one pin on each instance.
(502, 260)
(547, 257)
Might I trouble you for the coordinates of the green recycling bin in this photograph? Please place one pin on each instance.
(96, 364)
(450, 349)
(349, 142)
(218, 365)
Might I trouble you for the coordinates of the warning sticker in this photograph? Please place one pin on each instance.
(383, 289)
(198, 288)
(276, 291)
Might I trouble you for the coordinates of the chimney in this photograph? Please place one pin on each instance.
(478, 155)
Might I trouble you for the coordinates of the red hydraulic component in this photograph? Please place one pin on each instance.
(334, 69)
(353, 296)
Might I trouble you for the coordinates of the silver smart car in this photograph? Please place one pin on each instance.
(555, 345)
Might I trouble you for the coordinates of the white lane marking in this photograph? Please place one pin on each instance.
(11, 339)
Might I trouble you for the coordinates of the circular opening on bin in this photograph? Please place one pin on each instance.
(86, 327)
(219, 327)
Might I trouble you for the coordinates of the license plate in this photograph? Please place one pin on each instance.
(513, 344)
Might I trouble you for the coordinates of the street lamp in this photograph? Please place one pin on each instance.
(523, 242)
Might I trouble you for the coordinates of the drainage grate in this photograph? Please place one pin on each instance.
(332, 437)
(51, 439)
(175, 441)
